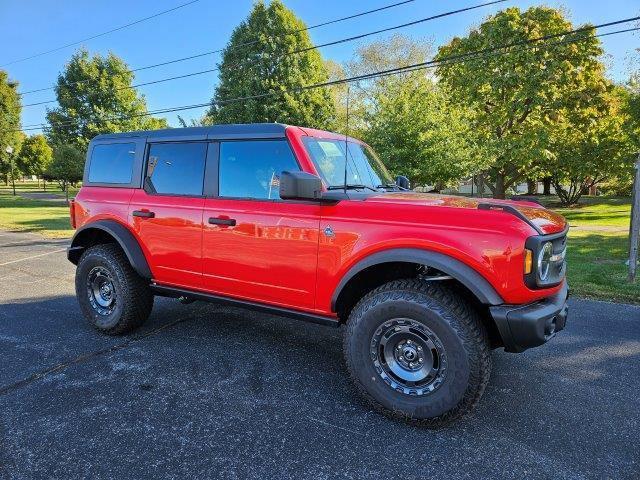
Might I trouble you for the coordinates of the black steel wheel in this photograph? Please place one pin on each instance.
(409, 356)
(101, 291)
(112, 296)
(417, 351)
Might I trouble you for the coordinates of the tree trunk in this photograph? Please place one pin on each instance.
(546, 182)
(532, 187)
(479, 180)
(44, 183)
(498, 191)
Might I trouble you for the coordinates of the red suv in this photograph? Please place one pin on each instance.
(309, 224)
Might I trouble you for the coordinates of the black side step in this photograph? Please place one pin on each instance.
(166, 291)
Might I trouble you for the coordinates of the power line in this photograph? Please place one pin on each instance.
(211, 52)
(99, 34)
(306, 49)
(452, 59)
(398, 70)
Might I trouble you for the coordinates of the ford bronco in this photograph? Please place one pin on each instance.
(309, 224)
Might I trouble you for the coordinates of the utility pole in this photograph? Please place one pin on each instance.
(9, 151)
(634, 228)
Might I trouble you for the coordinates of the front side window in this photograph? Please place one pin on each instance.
(176, 168)
(251, 169)
(112, 163)
(363, 166)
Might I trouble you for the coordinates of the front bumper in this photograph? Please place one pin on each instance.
(530, 325)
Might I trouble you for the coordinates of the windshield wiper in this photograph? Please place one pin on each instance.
(351, 186)
(392, 185)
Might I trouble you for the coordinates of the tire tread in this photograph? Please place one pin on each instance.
(460, 315)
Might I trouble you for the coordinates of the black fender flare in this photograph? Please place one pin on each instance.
(121, 234)
(460, 271)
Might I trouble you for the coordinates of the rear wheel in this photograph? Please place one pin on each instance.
(417, 351)
(112, 296)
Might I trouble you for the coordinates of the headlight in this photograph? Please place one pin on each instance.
(544, 261)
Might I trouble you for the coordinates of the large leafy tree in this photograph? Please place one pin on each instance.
(588, 146)
(94, 97)
(261, 59)
(35, 155)
(10, 136)
(408, 118)
(518, 96)
(632, 111)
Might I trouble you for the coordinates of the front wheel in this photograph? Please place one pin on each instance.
(112, 296)
(418, 352)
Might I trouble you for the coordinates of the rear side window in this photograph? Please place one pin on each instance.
(112, 163)
(251, 169)
(176, 168)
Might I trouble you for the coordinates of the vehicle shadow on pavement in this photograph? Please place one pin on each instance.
(232, 387)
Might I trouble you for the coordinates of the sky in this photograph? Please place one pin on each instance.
(30, 27)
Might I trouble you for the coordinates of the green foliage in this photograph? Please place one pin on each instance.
(94, 98)
(519, 97)
(632, 112)
(408, 118)
(10, 109)
(258, 60)
(35, 155)
(588, 146)
(67, 165)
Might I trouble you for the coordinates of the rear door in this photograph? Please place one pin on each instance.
(167, 213)
(255, 245)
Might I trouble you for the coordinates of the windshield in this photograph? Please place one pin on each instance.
(363, 168)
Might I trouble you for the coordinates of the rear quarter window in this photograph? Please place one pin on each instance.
(112, 163)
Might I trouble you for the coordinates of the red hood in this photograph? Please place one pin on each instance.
(546, 220)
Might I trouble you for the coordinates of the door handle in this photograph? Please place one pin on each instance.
(143, 214)
(229, 222)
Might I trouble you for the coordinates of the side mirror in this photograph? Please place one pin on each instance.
(403, 182)
(300, 186)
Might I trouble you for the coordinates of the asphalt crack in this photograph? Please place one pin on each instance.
(88, 356)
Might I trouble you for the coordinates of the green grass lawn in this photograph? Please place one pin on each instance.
(51, 219)
(598, 248)
(598, 238)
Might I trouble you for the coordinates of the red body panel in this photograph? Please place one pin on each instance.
(269, 256)
(278, 254)
(172, 240)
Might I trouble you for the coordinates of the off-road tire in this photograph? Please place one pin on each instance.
(133, 296)
(457, 326)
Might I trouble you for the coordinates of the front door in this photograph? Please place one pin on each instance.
(256, 246)
(167, 213)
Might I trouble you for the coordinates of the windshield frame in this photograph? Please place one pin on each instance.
(375, 175)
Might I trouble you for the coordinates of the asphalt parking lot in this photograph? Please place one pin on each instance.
(204, 391)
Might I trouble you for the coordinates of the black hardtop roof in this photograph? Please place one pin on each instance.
(229, 131)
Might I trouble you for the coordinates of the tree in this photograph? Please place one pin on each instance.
(518, 95)
(632, 111)
(35, 155)
(260, 59)
(66, 167)
(10, 135)
(95, 96)
(408, 119)
(589, 146)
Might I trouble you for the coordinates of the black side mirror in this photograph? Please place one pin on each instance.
(300, 186)
(403, 182)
